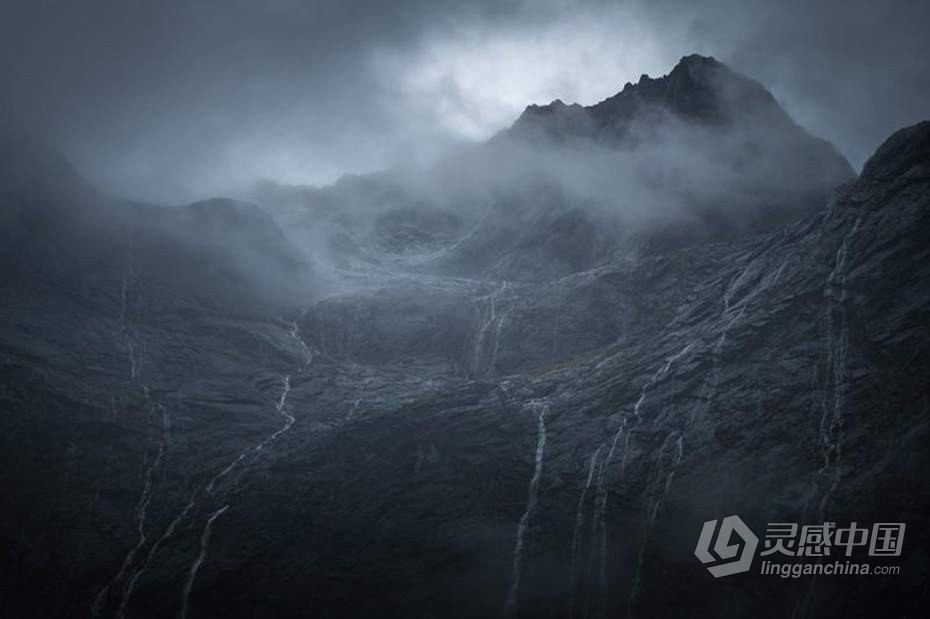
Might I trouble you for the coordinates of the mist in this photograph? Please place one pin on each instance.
(701, 154)
(177, 101)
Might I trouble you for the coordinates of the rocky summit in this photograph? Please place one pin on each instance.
(516, 383)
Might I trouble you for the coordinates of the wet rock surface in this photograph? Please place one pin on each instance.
(444, 435)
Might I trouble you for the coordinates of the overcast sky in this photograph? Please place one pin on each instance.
(172, 100)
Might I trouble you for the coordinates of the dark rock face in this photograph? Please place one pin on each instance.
(699, 88)
(437, 439)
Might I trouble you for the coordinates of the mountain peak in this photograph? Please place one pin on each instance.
(697, 60)
(698, 89)
(692, 68)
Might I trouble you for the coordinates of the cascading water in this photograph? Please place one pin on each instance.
(510, 606)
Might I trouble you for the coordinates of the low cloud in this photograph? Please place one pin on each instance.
(174, 101)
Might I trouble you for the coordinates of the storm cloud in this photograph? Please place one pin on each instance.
(176, 100)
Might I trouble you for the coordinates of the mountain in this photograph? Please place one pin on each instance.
(699, 89)
(720, 114)
(702, 154)
(469, 394)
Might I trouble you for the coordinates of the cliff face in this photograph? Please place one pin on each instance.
(512, 410)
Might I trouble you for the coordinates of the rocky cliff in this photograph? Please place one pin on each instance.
(396, 402)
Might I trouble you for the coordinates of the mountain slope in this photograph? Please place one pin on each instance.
(182, 435)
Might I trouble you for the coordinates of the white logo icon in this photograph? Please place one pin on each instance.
(724, 549)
